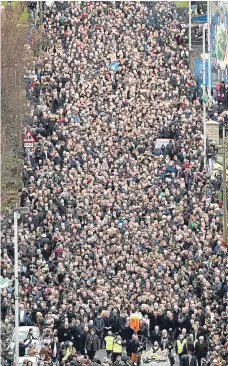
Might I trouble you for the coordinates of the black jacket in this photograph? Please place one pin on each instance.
(201, 349)
(156, 337)
(92, 343)
(22, 348)
(83, 337)
(154, 321)
(57, 348)
(115, 319)
(64, 334)
(188, 360)
(99, 325)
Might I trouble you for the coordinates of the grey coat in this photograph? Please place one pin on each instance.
(92, 343)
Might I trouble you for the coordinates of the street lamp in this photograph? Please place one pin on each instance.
(224, 125)
(209, 48)
(204, 96)
(16, 213)
(190, 24)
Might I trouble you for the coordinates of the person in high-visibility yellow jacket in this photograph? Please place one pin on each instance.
(180, 346)
(109, 341)
(117, 348)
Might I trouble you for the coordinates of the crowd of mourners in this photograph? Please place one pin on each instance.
(118, 224)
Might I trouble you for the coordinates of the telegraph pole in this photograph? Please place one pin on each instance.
(204, 96)
(41, 30)
(190, 24)
(209, 48)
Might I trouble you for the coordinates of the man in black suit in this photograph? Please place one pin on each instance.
(195, 333)
(201, 349)
(155, 319)
(156, 335)
(76, 329)
(115, 320)
(83, 338)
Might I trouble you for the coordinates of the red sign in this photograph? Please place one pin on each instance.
(29, 139)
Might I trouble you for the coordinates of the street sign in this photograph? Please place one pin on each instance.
(112, 56)
(114, 66)
(28, 144)
(29, 140)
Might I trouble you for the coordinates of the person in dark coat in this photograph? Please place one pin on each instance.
(76, 330)
(156, 335)
(115, 318)
(188, 360)
(99, 325)
(22, 347)
(55, 349)
(122, 324)
(108, 324)
(83, 337)
(155, 319)
(64, 333)
(201, 349)
(92, 344)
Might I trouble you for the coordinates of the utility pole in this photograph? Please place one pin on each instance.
(190, 24)
(204, 102)
(16, 290)
(41, 30)
(209, 48)
(16, 213)
(224, 184)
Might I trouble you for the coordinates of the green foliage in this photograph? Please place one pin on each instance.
(24, 14)
(181, 4)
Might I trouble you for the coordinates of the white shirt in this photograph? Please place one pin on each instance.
(22, 316)
(54, 353)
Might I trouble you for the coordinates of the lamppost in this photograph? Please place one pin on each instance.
(190, 24)
(224, 193)
(209, 48)
(204, 96)
(16, 213)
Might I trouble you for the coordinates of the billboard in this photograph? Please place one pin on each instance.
(199, 71)
(219, 41)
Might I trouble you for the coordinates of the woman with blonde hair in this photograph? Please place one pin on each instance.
(40, 321)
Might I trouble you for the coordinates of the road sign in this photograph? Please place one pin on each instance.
(29, 140)
(112, 56)
(28, 144)
(114, 66)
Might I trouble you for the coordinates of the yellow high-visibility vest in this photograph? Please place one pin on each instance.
(117, 347)
(180, 346)
(109, 343)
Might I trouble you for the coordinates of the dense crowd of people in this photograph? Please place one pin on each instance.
(118, 222)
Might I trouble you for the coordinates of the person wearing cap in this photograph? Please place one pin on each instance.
(179, 346)
(109, 342)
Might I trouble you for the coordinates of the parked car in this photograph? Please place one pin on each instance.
(27, 358)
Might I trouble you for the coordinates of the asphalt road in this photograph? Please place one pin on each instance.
(102, 353)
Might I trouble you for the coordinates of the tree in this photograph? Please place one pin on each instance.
(15, 56)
